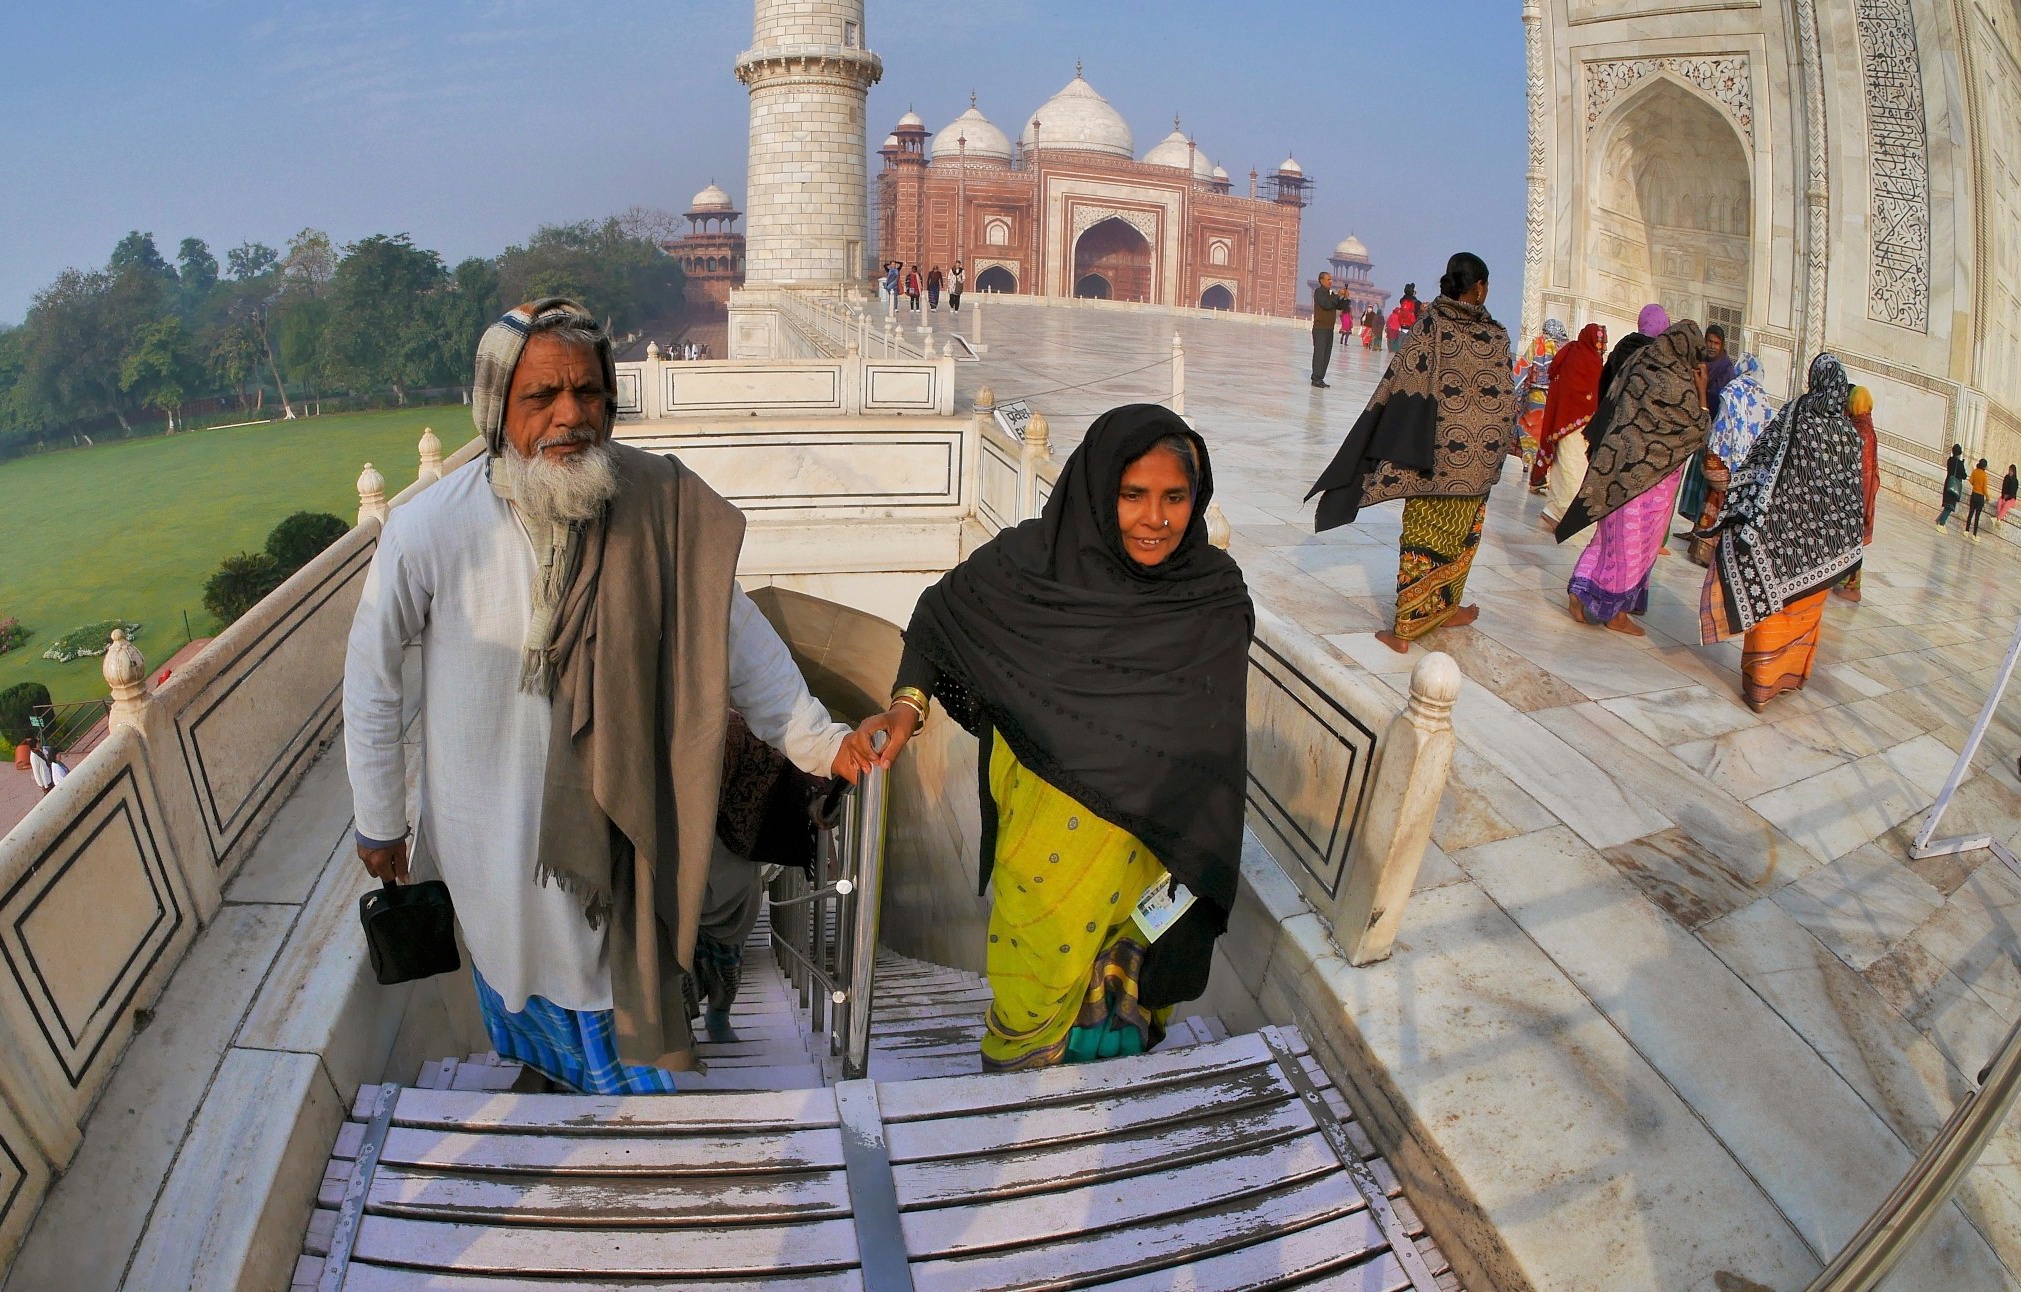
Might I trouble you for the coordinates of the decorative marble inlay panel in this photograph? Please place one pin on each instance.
(1309, 761)
(1898, 159)
(1725, 77)
(1144, 222)
(80, 930)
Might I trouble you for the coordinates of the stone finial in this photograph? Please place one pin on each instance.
(372, 495)
(652, 349)
(1218, 529)
(1038, 435)
(1434, 687)
(125, 674)
(1178, 375)
(985, 398)
(431, 454)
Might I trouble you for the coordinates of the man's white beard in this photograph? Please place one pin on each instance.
(574, 488)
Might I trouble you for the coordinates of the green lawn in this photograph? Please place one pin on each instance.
(131, 530)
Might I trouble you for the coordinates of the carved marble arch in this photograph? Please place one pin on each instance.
(996, 232)
(1671, 207)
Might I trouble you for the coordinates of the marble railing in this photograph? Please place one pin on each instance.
(108, 879)
(855, 384)
(1344, 811)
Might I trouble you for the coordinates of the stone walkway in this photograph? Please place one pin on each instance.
(1730, 892)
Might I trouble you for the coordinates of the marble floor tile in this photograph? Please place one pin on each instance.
(1794, 1123)
(1482, 805)
(1835, 812)
(1861, 905)
(1678, 717)
(1552, 772)
(1486, 662)
(1756, 759)
(1938, 1005)
(1681, 875)
(1752, 850)
(1852, 677)
(1365, 650)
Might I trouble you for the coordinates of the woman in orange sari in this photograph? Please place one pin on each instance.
(1793, 525)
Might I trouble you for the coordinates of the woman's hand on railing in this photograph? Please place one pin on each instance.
(856, 756)
(897, 723)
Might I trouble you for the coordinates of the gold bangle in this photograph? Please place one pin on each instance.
(907, 698)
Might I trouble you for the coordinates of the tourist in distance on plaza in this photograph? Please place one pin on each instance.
(1981, 486)
(1326, 306)
(1719, 371)
(1860, 409)
(1650, 421)
(912, 285)
(934, 279)
(1743, 415)
(1561, 446)
(1404, 316)
(1099, 654)
(1954, 485)
(1440, 452)
(556, 802)
(2010, 487)
(1533, 389)
(956, 279)
(1795, 521)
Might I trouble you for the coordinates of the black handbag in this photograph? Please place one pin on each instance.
(410, 930)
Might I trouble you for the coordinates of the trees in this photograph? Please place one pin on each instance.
(250, 260)
(619, 276)
(161, 367)
(379, 327)
(197, 271)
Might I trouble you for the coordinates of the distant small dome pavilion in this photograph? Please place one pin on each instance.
(711, 252)
(1354, 276)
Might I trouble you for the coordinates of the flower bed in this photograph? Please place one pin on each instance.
(91, 639)
(12, 634)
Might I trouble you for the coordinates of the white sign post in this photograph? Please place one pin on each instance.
(1923, 846)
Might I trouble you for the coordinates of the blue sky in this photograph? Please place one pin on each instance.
(466, 123)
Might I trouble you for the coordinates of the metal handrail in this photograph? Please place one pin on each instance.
(847, 884)
(1893, 1229)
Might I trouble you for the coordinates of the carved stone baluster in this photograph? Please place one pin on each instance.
(372, 495)
(125, 674)
(431, 454)
(1410, 777)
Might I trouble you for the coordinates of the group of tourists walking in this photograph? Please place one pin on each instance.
(597, 799)
(897, 279)
(1957, 480)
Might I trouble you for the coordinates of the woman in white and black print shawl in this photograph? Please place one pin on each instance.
(1793, 525)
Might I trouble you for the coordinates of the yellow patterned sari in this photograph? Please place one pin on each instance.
(1063, 954)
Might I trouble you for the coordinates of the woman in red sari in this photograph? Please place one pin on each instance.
(1574, 393)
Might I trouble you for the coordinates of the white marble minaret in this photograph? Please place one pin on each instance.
(809, 73)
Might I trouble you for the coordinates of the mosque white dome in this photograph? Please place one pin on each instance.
(911, 119)
(890, 141)
(1220, 173)
(1176, 151)
(711, 199)
(1291, 167)
(1351, 248)
(986, 143)
(1078, 117)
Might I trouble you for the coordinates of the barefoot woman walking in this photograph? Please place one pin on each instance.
(1433, 434)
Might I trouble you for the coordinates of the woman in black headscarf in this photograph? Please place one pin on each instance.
(1099, 653)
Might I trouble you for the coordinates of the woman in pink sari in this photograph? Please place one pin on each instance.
(1651, 419)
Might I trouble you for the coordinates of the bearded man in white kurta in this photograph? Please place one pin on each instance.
(581, 641)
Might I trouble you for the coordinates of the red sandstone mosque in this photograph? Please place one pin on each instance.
(1070, 210)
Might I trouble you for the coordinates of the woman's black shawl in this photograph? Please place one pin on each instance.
(1120, 684)
(1610, 398)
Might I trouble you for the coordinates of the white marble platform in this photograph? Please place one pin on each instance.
(1728, 893)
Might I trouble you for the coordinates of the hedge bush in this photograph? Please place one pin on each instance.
(16, 703)
(302, 537)
(12, 634)
(239, 584)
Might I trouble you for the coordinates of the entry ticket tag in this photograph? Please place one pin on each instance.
(1161, 906)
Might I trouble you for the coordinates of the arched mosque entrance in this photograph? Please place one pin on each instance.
(1673, 207)
(997, 279)
(1117, 254)
(1092, 287)
(1217, 297)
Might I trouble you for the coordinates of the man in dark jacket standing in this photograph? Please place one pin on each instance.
(1326, 307)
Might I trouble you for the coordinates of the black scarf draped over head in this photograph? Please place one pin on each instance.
(1123, 685)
